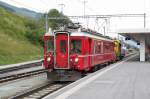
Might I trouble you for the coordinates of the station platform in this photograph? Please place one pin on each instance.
(128, 79)
(18, 64)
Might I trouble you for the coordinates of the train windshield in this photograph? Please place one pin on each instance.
(76, 46)
(50, 45)
(63, 46)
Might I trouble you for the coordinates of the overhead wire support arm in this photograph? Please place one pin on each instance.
(101, 16)
(62, 7)
(106, 17)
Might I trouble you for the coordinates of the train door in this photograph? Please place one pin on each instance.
(61, 51)
(90, 52)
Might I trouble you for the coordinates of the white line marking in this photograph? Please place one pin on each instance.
(69, 92)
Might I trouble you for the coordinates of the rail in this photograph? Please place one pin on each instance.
(41, 91)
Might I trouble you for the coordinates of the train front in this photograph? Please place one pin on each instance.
(57, 57)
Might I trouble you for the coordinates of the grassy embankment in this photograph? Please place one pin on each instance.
(14, 44)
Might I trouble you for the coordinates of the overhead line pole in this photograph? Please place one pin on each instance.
(144, 20)
(46, 22)
(62, 7)
(84, 2)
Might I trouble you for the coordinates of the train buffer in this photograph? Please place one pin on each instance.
(129, 79)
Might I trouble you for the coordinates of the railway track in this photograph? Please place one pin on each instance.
(17, 71)
(36, 92)
(21, 75)
(41, 91)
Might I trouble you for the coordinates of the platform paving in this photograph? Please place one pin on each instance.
(18, 64)
(129, 79)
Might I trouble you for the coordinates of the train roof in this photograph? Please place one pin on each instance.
(87, 34)
(91, 35)
(82, 32)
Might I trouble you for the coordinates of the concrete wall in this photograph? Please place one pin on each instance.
(142, 49)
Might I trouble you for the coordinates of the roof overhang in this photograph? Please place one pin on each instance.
(136, 34)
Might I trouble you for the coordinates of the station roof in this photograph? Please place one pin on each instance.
(136, 34)
(137, 31)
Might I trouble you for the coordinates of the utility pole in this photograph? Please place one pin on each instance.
(84, 2)
(104, 31)
(46, 22)
(61, 7)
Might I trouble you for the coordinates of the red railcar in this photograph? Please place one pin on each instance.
(69, 54)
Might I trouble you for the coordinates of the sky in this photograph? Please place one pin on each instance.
(94, 7)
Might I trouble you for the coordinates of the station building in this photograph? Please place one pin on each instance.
(142, 37)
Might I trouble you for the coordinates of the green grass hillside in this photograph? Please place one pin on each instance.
(15, 45)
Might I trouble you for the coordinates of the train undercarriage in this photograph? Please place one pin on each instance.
(64, 75)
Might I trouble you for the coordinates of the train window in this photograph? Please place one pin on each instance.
(107, 48)
(63, 46)
(50, 45)
(98, 47)
(76, 46)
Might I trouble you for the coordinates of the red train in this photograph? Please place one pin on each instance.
(67, 55)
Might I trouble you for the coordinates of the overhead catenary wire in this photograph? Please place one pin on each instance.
(61, 7)
(84, 11)
(117, 15)
(81, 2)
(100, 16)
(87, 20)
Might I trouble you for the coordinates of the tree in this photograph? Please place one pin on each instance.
(56, 23)
(36, 28)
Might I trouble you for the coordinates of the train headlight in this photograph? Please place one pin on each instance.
(48, 59)
(76, 59)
